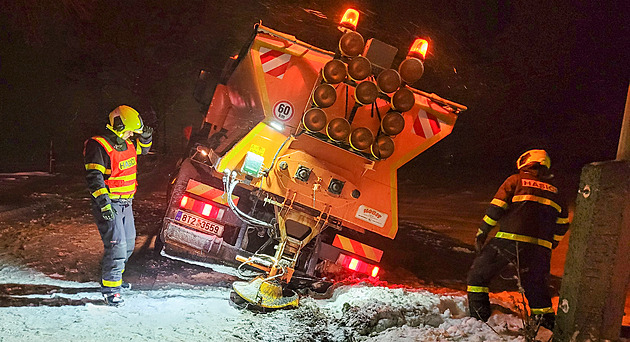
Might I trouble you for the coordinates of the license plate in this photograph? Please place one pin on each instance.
(199, 223)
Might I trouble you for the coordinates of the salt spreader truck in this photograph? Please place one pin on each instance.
(293, 171)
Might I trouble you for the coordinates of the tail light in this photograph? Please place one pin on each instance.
(357, 265)
(200, 207)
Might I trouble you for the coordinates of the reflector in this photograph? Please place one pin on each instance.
(338, 129)
(383, 147)
(324, 95)
(351, 44)
(334, 71)
(403, 100)
(388, 81)
(361, 138)
(411, 69)
(392, 123)
(365, 93)
(419, 48)
(350, 19)
(359, 68)
(314, 120)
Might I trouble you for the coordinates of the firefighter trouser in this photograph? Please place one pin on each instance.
(534, 261)
(119, 238)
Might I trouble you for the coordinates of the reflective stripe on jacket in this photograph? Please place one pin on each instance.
(121, 180)
(529, 210)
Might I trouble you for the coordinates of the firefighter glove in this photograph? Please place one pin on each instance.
(480, 239)
(108, 212)
(147, 132)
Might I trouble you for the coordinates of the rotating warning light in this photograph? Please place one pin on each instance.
(314, 120)
(349, 20)
(419, 49)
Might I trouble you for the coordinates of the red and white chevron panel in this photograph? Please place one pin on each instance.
(426, 125)
(274, 63)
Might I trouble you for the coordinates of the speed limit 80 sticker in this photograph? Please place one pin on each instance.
(283, 110)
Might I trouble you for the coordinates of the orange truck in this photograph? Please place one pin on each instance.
(293, 171)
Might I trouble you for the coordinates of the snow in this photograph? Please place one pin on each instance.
(360, 312)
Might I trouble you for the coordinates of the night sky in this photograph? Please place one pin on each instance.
(533, 74)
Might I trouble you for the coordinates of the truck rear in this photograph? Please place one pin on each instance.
(293, 171)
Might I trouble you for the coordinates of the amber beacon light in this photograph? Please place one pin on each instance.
(350, 20)
(419, 49)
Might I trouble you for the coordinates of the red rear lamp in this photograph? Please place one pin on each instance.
(183, 201)
(207, 208)
(357, 265)
(200, 207)
(350, 19)
(419, 49)
(354, 264)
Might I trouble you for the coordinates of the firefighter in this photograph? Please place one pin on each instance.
(110, 162)
(533, 222)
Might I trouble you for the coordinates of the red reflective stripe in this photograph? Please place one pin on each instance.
(435, 127)
(278, 70)
(269, 55)
(417, 127)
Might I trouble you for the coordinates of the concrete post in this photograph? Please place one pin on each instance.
(597, 270)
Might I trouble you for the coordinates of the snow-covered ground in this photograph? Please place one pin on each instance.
(355, 313)
(50, 251)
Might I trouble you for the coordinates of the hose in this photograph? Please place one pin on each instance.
(229, 182)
